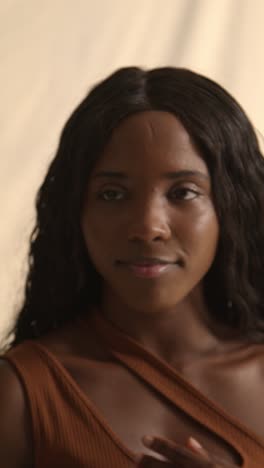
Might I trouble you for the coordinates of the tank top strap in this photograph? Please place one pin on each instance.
(41, 390)
(67, 431)
(171, 384)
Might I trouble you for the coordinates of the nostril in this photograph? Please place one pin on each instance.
(153, 233)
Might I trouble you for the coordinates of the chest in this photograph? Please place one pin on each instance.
(131, 408)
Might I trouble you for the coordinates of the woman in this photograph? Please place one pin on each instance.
(140, 340)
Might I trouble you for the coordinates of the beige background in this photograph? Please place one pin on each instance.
(51, 51)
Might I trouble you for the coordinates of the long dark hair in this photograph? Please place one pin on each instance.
(62, 283)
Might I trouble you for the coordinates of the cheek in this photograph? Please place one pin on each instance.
(203, 238)
(98, 237)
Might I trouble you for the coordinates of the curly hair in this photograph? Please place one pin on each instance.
(62, 283)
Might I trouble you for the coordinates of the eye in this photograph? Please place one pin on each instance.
(183, 193)
(111, 195)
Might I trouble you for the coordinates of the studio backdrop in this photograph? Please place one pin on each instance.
(52, 51)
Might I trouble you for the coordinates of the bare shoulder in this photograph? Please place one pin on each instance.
(260, 361)
(74, 340)
(15, 430)
(255, 358)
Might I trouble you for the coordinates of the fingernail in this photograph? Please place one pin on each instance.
(194, 443)
(148, 440)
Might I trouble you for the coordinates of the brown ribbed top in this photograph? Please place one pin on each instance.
(68, 430)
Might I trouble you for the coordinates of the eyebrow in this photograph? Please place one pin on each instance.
(167, 175)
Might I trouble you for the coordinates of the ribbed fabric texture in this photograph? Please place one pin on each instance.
(68, 432)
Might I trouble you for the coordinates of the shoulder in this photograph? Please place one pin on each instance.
(15, 430)
(260, 360)
(74, 339)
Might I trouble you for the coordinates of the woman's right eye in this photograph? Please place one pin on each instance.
(111, 195)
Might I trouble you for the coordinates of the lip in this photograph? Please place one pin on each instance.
(143, 260)
(153, 267)
(150, 271)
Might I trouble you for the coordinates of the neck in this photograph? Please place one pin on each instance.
(177, 335)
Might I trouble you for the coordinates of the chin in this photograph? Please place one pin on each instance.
(149, 297)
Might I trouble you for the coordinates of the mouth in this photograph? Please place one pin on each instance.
(149, 267)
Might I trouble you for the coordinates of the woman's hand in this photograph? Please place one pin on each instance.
(193, 455)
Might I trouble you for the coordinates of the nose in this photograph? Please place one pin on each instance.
(149, 222)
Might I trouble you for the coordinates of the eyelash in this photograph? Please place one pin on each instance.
(101, 194)
(186, 189)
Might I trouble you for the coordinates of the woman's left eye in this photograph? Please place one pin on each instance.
(184, 193)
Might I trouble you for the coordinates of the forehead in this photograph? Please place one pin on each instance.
(151, 138)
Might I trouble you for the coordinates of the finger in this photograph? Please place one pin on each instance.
(199, 449)
(196, 447)
(175, 453)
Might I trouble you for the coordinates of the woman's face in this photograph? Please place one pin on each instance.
(149, 221)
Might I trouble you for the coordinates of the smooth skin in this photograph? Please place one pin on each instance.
(150, 196)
